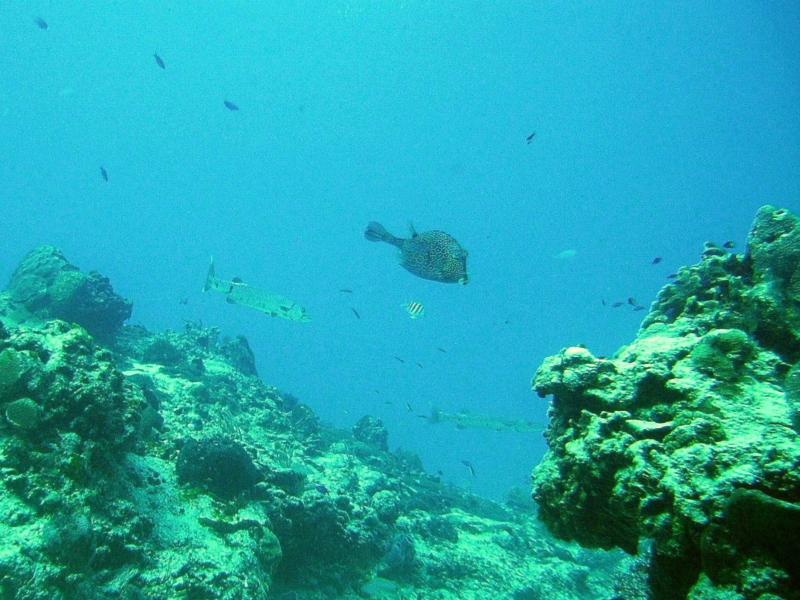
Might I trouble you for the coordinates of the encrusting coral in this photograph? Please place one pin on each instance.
(688, 436)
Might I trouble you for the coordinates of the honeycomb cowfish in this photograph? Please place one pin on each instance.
(433, 255)
(237, 291)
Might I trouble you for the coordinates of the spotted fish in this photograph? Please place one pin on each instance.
(433, 255)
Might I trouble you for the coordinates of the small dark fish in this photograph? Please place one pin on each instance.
(230, 105)
(672, 276)
(321, 489)
(104, 173)
(603, 301)
(346, 291)
(635, 308)
(398, 359)
(632, 302)
(184, 301)
(440, 349)
(355, 312)
(729, 244)
(656, 260)
(469, 466)
(529, 139)
(40, 23)
(420, 366)
(617, 304)
(159, 61)
(409, 408)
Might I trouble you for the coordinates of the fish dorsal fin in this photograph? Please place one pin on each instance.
(412, 230)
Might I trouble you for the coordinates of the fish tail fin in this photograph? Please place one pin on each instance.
(375, 232)
(210, 276)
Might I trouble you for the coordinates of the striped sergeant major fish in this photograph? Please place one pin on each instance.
(414, 309)
(237, 291)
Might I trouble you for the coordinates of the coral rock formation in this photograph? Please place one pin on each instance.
(688, 435)
(48, 286)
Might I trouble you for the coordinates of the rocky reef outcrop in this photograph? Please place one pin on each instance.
(688, 436)
(157, 465)
(47, 286)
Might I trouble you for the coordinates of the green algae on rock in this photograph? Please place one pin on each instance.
(691, 429)
(23, 413)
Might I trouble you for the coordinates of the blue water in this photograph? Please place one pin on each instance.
(658, 126)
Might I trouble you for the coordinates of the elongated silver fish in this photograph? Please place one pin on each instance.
(466, 420)
(237, 291)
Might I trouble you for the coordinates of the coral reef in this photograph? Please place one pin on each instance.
(47, 286)
(157, 465)
(687, 437)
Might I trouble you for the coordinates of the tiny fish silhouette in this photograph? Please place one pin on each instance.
(469, 466)
(440, 349)
(617, 304)
(230, 105)
(159, 61)
(355, 312)
(420, 365)
(672, 276)
(40, 23)
(729, 244)
(656, 260)
(632, 301)
(398, 359)
(346, 291)
(529, 139)
(104, 173)
(635, 308)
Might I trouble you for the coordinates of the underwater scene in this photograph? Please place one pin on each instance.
(399, 300)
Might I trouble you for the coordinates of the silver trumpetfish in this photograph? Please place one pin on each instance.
(237, 291)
